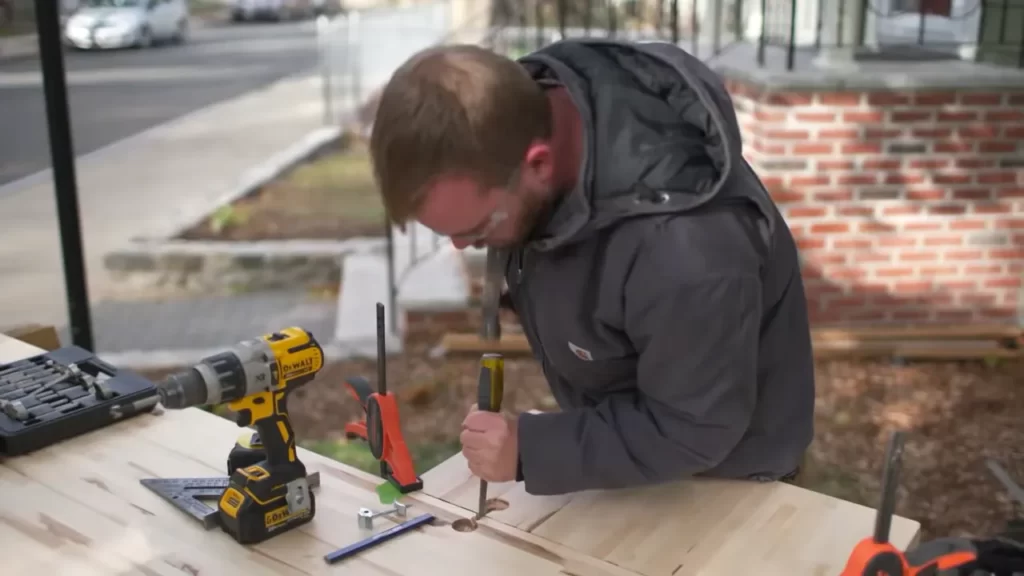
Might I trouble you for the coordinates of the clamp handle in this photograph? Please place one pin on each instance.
(360, 389)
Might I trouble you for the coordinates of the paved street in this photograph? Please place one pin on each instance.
(117, 94)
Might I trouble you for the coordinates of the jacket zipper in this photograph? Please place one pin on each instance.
(530, 325)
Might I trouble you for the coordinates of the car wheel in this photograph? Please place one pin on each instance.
(181, 32)
(145, 39)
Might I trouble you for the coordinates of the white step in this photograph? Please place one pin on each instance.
(364, 283)
(430, 274)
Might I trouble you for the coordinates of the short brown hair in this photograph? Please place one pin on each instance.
(453, 110)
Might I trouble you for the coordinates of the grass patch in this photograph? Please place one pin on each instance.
(357, 454)
(207, 10)
(331, 196)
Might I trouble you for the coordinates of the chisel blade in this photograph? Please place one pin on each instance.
(482, 505)
(494, 276)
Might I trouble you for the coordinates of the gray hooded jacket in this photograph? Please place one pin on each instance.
(663, 295)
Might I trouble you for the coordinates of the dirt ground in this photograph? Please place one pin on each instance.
(331, 196)
(957, 414)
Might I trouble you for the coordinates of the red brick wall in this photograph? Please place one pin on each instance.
(908, 207)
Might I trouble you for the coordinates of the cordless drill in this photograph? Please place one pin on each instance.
(270, 493)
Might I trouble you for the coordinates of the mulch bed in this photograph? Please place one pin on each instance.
(958, 414)
(330, 196)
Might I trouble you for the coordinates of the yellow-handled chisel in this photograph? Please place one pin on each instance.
(490, 389)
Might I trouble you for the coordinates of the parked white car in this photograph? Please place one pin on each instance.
(101, 24)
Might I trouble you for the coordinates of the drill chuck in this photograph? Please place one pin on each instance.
(184, 389)
(219, 378)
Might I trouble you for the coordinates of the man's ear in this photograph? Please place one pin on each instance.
(539, 160)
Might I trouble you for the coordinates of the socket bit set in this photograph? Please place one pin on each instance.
(62, 394)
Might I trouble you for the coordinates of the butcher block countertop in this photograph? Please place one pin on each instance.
(77, 508)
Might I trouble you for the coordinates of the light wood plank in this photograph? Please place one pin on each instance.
(78, 508)
(703, 526)
(12, 350)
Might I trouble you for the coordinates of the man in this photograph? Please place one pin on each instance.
(654, 278)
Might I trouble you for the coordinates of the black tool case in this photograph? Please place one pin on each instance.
(65, 393)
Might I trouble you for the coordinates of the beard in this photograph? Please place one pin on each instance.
(534, 210)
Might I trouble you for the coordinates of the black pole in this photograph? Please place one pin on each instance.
(791, 48)
(392, 287)
(51, 60)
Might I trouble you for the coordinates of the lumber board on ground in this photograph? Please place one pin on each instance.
(704, 527)
(78, 508)
(831, 344)
(37, 335)
(12, 349)
(916, 350)
(937, 332)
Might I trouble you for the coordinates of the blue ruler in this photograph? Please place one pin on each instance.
(372, 541)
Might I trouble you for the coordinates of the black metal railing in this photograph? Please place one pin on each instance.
(711, 28)
(891, 29)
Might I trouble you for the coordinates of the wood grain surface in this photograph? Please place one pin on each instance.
(703, 526)
(77, 508)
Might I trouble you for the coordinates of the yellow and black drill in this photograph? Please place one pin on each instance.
(267, 491)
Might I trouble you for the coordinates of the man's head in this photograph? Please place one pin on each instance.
(461, 143)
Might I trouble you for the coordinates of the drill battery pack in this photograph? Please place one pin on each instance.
(62, 394)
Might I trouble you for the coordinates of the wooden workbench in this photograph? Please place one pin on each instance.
(78, 508)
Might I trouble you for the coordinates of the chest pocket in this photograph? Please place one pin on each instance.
(577, 315)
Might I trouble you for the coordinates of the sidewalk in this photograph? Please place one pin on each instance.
(142, 187)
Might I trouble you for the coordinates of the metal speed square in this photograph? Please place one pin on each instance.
(188, 494)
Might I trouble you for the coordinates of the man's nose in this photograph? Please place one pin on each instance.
(460, 243)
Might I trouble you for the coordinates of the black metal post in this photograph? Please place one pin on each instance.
(392, 289)
(563, 15)
(539, 16)
(694, 25)
(1020, 55)
(716, 39)
(738, 21)
(613, 20)
(819, 25)
(921, 25)
(791, 48)
(862, 25)
(1004, 19)
(62, 156)
(840, 20)
(674, 21)
(764, 31)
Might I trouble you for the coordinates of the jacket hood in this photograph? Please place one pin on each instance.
(661, 135)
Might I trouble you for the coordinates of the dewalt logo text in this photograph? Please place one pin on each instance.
(299, 366)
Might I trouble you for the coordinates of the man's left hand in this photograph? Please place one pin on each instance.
(490, 444)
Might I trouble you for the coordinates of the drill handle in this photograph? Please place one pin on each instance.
(268, 414)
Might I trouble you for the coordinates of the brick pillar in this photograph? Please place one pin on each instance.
(908, 207)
